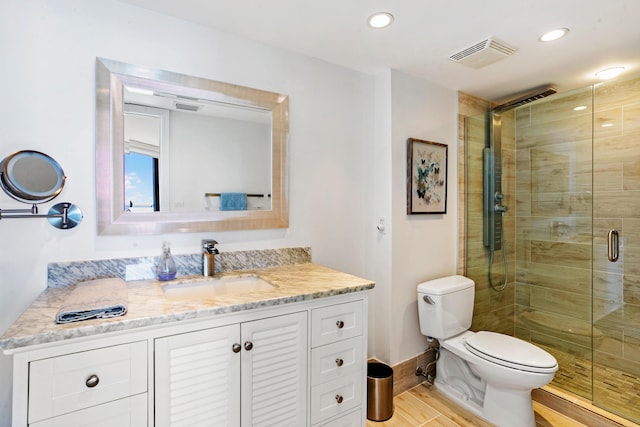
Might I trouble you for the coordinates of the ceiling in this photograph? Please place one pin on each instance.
(425, 33)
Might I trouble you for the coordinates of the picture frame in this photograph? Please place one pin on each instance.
(426, 177)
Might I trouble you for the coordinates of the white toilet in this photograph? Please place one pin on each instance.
(489, 373)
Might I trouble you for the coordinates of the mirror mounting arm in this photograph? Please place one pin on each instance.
(33, 211)
(62, 215)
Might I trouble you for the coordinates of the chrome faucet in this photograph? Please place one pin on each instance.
(209, 252)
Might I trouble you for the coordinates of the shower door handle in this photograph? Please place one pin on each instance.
(613, 245)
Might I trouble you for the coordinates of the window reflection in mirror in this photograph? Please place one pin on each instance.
(142, 140)
(200, 148)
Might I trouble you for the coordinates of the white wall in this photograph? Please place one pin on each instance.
(379, 267)
(347, 155)
(197, 166)
(424, 246)
(48, 51)
(413, 248)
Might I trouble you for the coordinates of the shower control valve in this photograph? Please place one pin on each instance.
(500, 208)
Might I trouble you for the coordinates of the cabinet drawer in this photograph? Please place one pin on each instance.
(127, 412)
(333, 361)
(64, 384)
(335, 397)
(352, 419)
(335, 323)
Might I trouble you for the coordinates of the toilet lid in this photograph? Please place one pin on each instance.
(511, 352)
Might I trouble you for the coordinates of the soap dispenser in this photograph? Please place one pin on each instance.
(209, 252)
(166, 267)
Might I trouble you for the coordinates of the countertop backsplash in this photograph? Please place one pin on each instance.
(142, 268)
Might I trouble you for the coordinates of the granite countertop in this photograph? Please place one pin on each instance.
(148, 306)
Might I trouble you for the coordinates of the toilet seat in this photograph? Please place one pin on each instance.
(510, 352)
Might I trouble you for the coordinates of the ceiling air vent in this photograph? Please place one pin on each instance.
(483, 53)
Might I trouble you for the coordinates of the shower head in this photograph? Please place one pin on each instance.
(526, 98)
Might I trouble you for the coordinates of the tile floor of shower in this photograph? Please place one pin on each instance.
(424, 406)
(616, 390)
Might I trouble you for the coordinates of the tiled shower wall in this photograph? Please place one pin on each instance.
(493, 310)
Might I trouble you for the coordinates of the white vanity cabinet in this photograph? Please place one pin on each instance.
(338, 364)
(248, 374)
(294, 364)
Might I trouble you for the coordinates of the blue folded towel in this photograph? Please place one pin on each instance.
(233, 201)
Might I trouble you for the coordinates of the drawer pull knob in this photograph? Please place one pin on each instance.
(92, 381)
(340, 324)
(339, 399)
(248, 345)
(236, 348)
(339, 362)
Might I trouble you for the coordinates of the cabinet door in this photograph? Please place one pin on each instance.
(337, 322)
(196, 379)
(127, 412)
(337, 360)
(69, 382)
(274, 371)
(335, 397)
(354, 419)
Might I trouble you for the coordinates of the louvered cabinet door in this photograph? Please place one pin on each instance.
(274, 371)
(196, 379)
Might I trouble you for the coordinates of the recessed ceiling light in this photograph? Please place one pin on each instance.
(609, 73)
(580, 108)
(607, 125)
(380, 20)
(553, 35)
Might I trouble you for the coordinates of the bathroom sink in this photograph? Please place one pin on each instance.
(217, 287)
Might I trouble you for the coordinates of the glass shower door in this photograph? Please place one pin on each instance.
(616, 247)
(554, 233)
(571, 168)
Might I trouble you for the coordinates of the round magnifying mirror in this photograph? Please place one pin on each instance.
(31, 177)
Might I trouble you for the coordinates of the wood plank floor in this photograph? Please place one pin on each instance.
(424, 406)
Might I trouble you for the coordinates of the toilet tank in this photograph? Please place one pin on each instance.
(445, 306)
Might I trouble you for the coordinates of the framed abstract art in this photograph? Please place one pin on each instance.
(426, 177)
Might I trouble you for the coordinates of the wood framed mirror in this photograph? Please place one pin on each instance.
(202, 140)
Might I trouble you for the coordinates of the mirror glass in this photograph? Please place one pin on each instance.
(183, 153)
(31, 177)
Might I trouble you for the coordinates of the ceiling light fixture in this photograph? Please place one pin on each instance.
(380, 20)
(553, 35)
(609, 73)
(580, 108)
